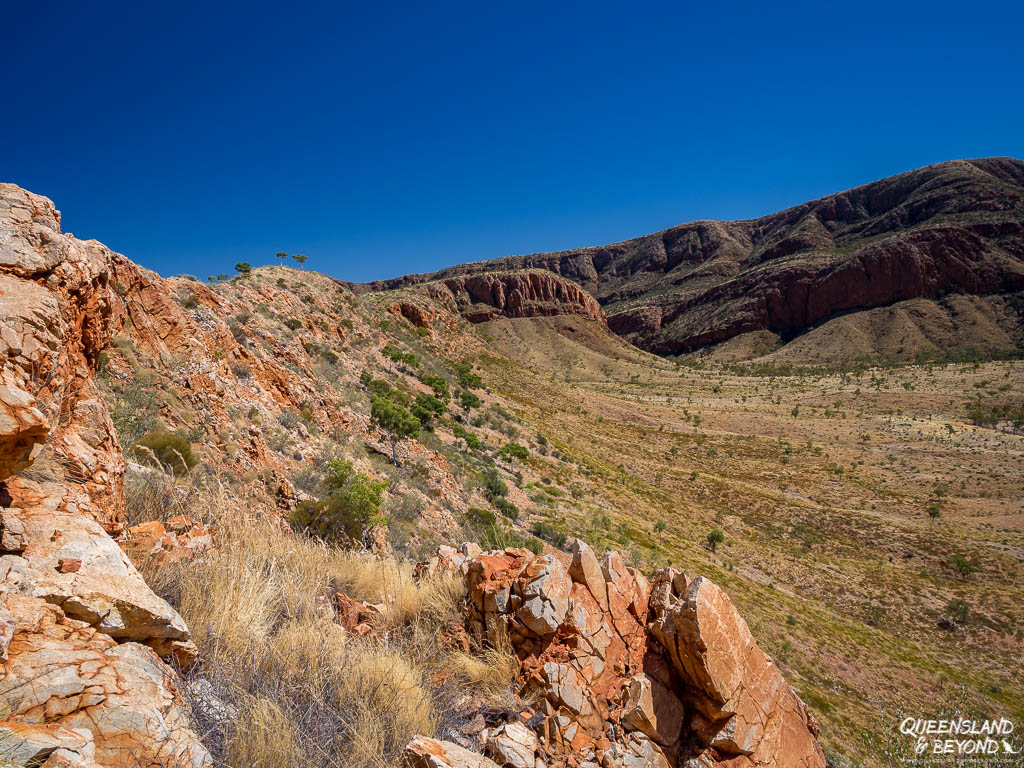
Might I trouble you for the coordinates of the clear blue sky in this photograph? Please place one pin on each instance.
(385, 138)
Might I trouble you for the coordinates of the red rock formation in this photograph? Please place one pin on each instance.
(81, 633)
(631, 673)
(951, 227)
(482, 297)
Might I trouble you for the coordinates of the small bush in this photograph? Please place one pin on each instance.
(165, 448)
(715, 538)
(494, 486)
(549, 533)
(479, 516)
(439, 385)
(350, 506)
(466, 377)
(507, 508)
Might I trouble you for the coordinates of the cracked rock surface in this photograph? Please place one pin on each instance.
(81, 634)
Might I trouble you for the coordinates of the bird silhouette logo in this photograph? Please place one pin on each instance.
(1009, 749)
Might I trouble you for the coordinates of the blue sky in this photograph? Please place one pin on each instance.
(386, 138)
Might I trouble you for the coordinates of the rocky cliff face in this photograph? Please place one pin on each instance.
(955, 227)
(481, 297)
(82, 637)
(627, 672)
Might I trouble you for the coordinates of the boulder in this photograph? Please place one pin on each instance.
(745, 706)
(423, 752)
(513, 745)
(67, 674)
(160, 543)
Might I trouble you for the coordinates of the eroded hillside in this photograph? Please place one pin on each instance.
(950, 228)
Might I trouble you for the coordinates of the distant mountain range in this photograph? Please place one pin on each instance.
(955, 228)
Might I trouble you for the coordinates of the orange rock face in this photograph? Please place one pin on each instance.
(631, 672)
(527, 293)
(81, 634)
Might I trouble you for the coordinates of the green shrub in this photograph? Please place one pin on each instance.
(494, 486)
(549, 533)
(466, 377)
(715, 538)
(479, 516)
(515, 451)
(507, 508)
(426, 408)
(394, 353)
(438, 384)
(168, 449)
(499, 537)
(350, 506)
(395, 420)
(959, 610)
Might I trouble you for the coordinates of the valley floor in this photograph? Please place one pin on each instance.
(845, 498)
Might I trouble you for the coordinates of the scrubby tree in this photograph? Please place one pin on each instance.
(466, 377)
(959, 610)
(426, 408)
(659, 528)
(299, 259)
(934, 511)
(438, 384)
(715, 538)
(244, 268)
(282, 256)
(963, 567)
(394, 420)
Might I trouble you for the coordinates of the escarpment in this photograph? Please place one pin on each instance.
(82, 676)
(514, 294)
(950, 228)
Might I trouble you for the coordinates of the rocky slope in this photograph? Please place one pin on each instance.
(489, 295)
(88, 652)
(82, 637)
(955, 227)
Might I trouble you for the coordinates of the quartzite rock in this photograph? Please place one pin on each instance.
(423, 752)
(66, 586)
(630, 673)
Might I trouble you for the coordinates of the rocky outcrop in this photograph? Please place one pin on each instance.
(629, 672)
(82, 633)
(527, 293)
(955, 227)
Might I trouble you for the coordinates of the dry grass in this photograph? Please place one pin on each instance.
(279, 683)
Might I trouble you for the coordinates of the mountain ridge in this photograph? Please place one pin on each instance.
(952, 227)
